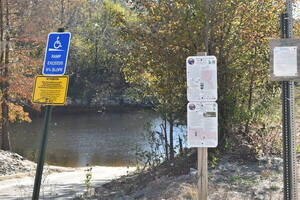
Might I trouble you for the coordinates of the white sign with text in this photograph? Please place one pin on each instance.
(202, 123)
(202, 78)
(285, 61)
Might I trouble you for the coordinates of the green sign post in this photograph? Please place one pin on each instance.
(41, 161)
(42, 153)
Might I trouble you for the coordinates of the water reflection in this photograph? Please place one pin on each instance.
(77, 140)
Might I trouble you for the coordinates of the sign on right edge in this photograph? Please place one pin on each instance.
(285, 59)
(202, 120)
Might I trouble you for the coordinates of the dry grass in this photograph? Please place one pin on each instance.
(189, 192)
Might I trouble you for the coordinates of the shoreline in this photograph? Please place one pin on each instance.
(61, 185)
(58, 182)
(76, 109)
(13, 165)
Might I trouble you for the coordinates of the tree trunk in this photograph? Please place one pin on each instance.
(5, 134)
(1, 54)
(251, 85)
(250, 101)
(5, 86)
(180, 146)
(62, 13)
(171, 140)
(165, 135)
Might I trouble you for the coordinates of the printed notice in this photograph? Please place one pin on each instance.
(202, 122)
(285, 61)
(201, 78)
(50, 90)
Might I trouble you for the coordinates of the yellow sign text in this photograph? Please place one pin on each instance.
(50, 90)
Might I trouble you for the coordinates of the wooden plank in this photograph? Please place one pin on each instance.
(202, 165)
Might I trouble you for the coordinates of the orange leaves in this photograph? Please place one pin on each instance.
(21, 87)
(16, 112)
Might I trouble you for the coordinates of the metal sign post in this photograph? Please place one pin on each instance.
(40, 164)
(289, 152)
(47, 119)
(285, 67)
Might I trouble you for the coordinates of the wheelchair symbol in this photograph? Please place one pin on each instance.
(57, 44)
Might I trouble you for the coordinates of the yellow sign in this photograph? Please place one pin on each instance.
(50, 90)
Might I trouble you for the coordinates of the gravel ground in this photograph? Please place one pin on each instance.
(228, 180)
(12, 164)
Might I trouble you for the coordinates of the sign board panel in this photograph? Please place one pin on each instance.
(56, 55)
(284, 59)
(201, 78)
(50, 90)
(202, 123)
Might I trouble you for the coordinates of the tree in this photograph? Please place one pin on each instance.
(164, 35)
(239, 36)
(236, 32)
(19, 60)
(95, 61)
(4, 74)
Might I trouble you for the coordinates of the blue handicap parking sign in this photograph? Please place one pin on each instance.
(56, 53)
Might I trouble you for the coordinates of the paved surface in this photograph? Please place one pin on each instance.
(63, 185)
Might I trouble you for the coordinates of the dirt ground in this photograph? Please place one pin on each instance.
(229, 179)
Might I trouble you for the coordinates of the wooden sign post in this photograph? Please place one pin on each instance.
(202, 173)
(202, 165)
(202, 112)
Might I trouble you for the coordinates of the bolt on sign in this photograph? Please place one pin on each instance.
(50, 90)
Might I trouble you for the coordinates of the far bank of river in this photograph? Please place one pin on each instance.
(75, 140)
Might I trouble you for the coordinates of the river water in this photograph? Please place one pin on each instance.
(110, 139)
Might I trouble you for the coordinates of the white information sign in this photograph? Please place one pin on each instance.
(285, 61)
(202, 123)
(201, 78)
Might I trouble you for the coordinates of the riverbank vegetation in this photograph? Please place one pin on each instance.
(237, 33)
